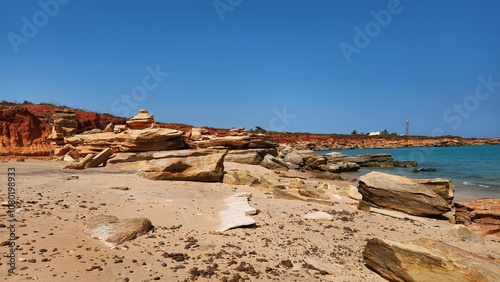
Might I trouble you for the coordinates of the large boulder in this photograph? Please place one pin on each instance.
(240, 177)
(427, 260)
(249, 156)
(113, 231)
(194, 165)
(403, 194)
(482, 214)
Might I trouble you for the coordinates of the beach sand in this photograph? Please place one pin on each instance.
(183, 245)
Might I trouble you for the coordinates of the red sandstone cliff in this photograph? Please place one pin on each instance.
(24, 130)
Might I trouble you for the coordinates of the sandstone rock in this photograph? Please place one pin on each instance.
(65, 122)
(100, 158)
(442, 187)
(68, 158)
(142, 120)
(271, 181)
(110, 127)
(239, 177)
(153, 139)
(293, 158)
(401, 193)
(283, 194)
(340, 167)
(201, 165)
(230, 142)
(273, 163)
(314, 162)
(481, 214)
(427, 260)
(319, 216)
(113, 231)
(464, 233)
(351, 192)
(236, 215)
(249, 156)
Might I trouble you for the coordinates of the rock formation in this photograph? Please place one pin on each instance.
(193, 165)
(427, 260)
(481, 214)
(237, 213)
(416, 197)
(142, 120)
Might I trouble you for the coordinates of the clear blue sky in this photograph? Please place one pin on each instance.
(309, 66)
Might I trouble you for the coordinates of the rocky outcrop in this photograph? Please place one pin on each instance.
(481, 214)
(236, 139)
(371, 160)
(415, 197)
(427, 260)
(113, 231)
(22, 133)
(193, 165)
(464, 233)
(154, 139)
(250, 156)
(142, 120)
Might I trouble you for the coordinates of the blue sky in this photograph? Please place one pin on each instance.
(309, 66)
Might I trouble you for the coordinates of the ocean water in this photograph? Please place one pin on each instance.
(474, 170)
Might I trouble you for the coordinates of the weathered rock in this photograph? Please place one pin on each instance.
(273, 163)
(481, 214)
(109, 128)
(319, 216)
(293, 158)
(153, 139)
(65, 122)
(236, 215)
(249, 156)
(142, 120)
(240, 177)
(283, 194)
(464, 233)
(401, 193)
(427, 260)
(271, 181)
(442, 187)
(340, 167)
(100, 158)
(200, 165)
(351, 192)
(314, 162)
(113, 231)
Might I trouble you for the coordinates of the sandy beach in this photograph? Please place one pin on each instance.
(184, 245)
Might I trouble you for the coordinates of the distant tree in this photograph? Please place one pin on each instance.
(354, 132)
(260, 129)
(394, 134)
(384, 132)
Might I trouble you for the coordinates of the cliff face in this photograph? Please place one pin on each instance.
(24, 128)
(325, 142)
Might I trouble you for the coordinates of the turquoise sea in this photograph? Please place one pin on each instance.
(474, 170)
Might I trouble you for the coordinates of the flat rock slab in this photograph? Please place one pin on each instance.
(427, 260)
(411, 196)
(236, 215)
(196, 165)
(113, 231)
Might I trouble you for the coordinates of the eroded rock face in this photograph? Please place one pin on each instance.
(413, 197)
(140, 140)
(113, 231)
(194, 165)
(482, 214)
(22, 133)
(427, 260)
(142, 120)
